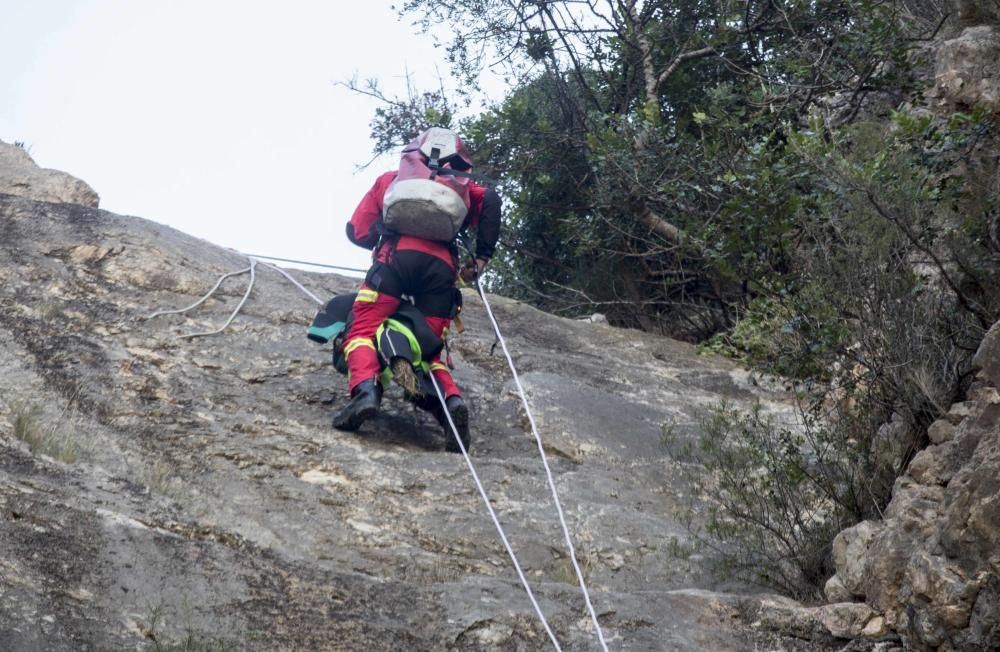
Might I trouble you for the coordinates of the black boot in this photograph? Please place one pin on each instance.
(365, 400)
(460, 417)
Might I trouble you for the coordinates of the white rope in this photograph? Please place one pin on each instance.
(204, 298)
(306, 262)
(246, 295)
(252, 269)
(493, 515)
(548, 471)
(296, 283)
(475, 477)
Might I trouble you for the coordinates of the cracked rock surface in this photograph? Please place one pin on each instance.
(157, 490)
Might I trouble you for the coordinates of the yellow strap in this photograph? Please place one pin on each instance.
(367, 296)
(356, 342)
(437, 366)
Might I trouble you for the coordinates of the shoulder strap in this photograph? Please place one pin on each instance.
(479, 178)
(436, 168)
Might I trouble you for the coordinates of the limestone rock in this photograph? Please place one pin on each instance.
(958, 412)
(941, 431)
(792, 619)
(875, 628)
(987, 358)
(931, 567)
(845, 619)
(191, 492)
(849, 555)
(949, 595)
(967, 74)
(822, 624)
(935, 465)
(835, 591)
(19, 175)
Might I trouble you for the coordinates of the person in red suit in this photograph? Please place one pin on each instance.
(425, 270)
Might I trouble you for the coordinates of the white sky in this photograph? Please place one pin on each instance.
(217, 117)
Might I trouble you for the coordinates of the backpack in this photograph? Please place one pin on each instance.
(429, 198)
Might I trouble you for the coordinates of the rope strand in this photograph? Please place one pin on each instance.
(493, 515)
(306, 262)
(201, 300)
(246, 295)
(294, 282)
(548, 471)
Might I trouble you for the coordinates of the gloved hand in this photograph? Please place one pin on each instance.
(473, 269)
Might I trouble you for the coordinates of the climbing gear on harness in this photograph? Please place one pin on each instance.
(472, 269)
(365, 401)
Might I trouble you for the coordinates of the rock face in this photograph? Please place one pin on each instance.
(932, 567)
(20, 176)
(966, 73)
(158, 490)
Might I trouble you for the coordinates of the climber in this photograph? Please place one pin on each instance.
(411, 219)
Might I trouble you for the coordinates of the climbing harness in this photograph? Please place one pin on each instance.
(465, 453)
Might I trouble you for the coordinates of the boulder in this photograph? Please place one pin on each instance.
(21, 176)
(850, 549)
(835, 591)
(842, 620)
(941, 431)
(845, 619)
(966, 73)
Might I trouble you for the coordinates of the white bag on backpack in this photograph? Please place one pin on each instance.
(424, 200)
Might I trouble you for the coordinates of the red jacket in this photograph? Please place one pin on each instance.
(484, 216)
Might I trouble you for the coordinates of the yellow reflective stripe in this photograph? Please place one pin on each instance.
(437, 366)
(356, 342)
(367, 296)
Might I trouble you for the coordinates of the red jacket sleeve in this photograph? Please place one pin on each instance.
(362, 228)
(484, 216)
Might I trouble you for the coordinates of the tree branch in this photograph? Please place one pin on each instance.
(681, 58)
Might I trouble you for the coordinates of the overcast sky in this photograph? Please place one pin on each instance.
(217, 117)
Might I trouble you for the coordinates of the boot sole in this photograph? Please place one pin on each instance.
(354, 422)
(404, 376)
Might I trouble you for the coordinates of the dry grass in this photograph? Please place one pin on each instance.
(52, 440)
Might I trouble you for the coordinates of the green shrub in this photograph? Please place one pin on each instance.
(772, 509)
(892, 282)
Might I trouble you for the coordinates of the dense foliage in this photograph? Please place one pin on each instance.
(637, 148)
(760, 177)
